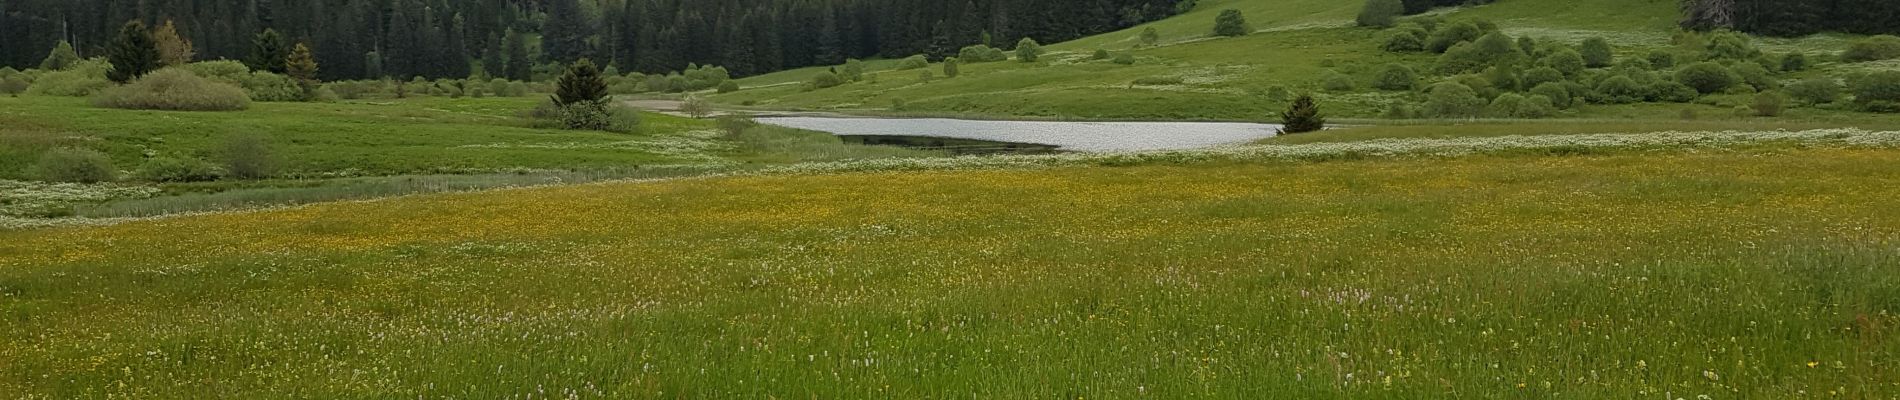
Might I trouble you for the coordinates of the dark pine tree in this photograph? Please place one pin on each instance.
(580, 84)
(133, 53)
(564, 37)
(1302, 117)
(519, 66)
(268, 52)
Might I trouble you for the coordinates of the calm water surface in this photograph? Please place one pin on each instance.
(1071, 136)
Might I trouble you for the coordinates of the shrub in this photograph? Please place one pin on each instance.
(1125, 59)
(1596, 53)
(728, 87)
(696, 107)
(1337, 82)
(176, 90)
(1541, 75)
(1380, 13)
(1707, 77)
(659, 83)
(1878, 91)
(1405, 40)
(1027, 50)
(1559, 96)
(1794, 62)
(1621, 89)
(269, 87)
(1400, 111)
(735, 125)
(925, 76)
(81, 79)
(1453, 100)
(1873, 48)
(13, 86)
(1633, 64)
(1504, 78)
(75, 165)
(1231, 23)
(1672, 92)
(1662, 59)
(1505, 106)
(825, 79)
(249, 157)
(981, 53)
(1731, 46)
(853, 70)
(226, 71)
(1755, 76)
(1536, 106)
(1446, 36)
(1303, 116)
(169, 169)
(1396, 76)
(1567, 61)
(1815, 91)
(950, 67)
(1150, 37)
(1100, 54)
(1767, 104)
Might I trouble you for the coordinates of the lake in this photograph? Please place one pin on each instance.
(1063, 135)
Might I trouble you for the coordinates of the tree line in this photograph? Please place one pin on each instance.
(507, 38)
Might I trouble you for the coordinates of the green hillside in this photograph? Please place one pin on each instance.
(1296, 46)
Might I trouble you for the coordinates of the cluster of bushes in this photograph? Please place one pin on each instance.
(1483, 72)
(174, 89)
(981, 53)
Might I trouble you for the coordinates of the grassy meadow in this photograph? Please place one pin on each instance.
(1743, 273)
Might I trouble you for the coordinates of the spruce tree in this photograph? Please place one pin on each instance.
(60, 58)
(581, 83)
(301, 65)
(173, 49)
(132, 53)
(950, 67)
(268, 52)
(1302, 117)
(564, 37)
(519, 67)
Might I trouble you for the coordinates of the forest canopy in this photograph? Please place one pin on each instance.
(453, 38)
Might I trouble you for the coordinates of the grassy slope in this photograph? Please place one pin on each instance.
(1757, 274)
(369, 138)
(1300, 43)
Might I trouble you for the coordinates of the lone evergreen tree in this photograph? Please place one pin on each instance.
(950, 67)
(519, 67)
(173, 49)
(132, 53)
(268, 53)
(580, 84)
(1231, 23)
(1302, 117)
(302, 66)
(60, 58)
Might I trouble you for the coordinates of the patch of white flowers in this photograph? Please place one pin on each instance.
(20, 198)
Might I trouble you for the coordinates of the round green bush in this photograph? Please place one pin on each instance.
(76, 166)
(1566, 61)
(1818, 90)
(1505, 106)
(1446, 36)
(1453, 100)
(1559, 96)
(1396, 76)
(1707, 77)
(174, 89)
(1873, 48)
(1621, 89)
(1878, 91)
(1672, 92)
(728, 87)
(1755, 76)
(1536, 106)
(1541, 75)
(1406, 39)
